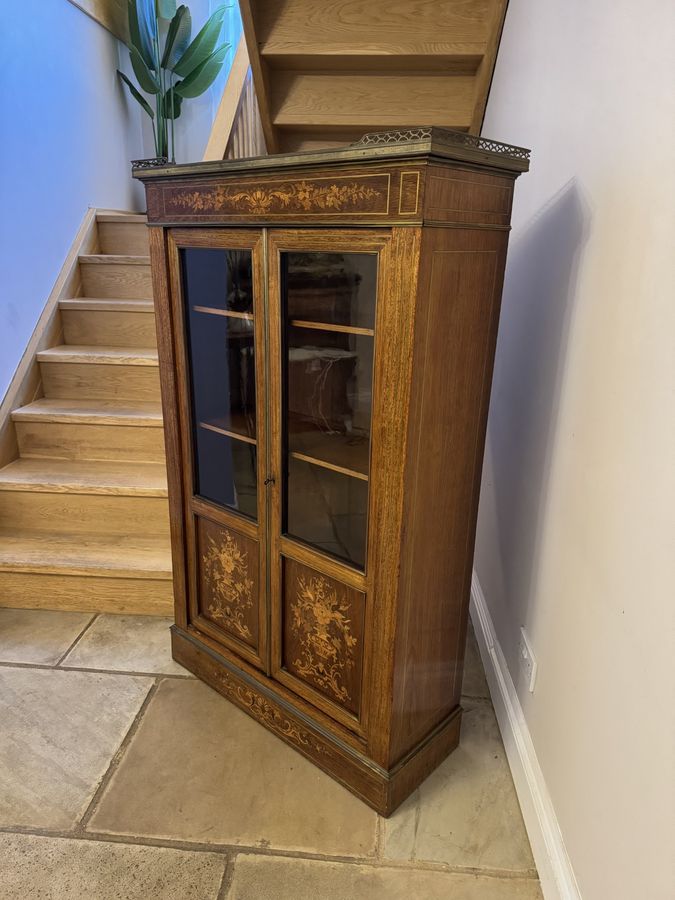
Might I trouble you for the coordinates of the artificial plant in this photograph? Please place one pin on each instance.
(167, 64)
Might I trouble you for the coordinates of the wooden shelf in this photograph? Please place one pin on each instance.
(327, 326)
(228, 313)
(338, 452)
(301, 457)
(234, 430)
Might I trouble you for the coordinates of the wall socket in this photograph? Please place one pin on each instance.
(526, 658)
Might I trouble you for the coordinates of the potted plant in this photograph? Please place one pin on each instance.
(169, 66)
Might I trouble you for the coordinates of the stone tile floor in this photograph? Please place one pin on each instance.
(122, 777)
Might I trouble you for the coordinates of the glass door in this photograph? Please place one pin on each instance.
(323, 306)
(218, 307)
(328, 308)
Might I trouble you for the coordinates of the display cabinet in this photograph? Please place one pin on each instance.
(326, 330)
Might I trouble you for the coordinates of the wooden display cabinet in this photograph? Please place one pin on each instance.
(327, 325)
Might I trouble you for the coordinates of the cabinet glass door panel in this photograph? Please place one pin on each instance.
(218, 299)
(328, 510)
(219, 279)
(328, 309)
(334, 288)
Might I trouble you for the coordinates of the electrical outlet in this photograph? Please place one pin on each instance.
(528, 663)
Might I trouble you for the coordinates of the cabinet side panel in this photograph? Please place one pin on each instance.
(167, 375)
(455, 334)
(391, 401)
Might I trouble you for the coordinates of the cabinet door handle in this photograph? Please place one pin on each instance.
(269, 480)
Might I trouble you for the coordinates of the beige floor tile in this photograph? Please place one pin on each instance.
(127, 644)
(276, 878)
(199, 769)
(39, 636)
(44, 868)
(466, 813)
(58, 733)
(474, 683)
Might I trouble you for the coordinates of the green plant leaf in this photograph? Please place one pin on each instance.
(139, 37)
(177, 37)
(177, 101)
(203, 45)
(166, 9)
(147, 23)
(145, 77)
(137, 95)
(204, 75)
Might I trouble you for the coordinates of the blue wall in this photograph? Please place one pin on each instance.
(67, 134)
(66, 137)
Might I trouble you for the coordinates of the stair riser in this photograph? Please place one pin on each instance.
(74, 381)
(116, 280)
(124, 238)
(84, 513)
(103, 328)
(60, 440)
(134, 596)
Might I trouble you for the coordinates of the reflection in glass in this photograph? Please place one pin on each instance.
(328, 510)
(221, 359)
(226, 471)
(329, 309)
(338, 288)
(218, 279)
(329, 387)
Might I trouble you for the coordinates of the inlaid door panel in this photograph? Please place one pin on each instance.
(218, 288)
(323, 637)
(228, 581)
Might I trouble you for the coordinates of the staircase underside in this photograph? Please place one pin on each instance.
(326, 73)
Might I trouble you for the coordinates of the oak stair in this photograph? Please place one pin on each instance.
(83, 508)
(326, 73)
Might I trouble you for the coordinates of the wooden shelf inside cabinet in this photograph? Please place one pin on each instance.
(327, 434)
(227, 313)
(229, 429)
(339, 452)
(226, 433)
(329, 326)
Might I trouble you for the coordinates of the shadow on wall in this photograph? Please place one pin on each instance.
(539, 295)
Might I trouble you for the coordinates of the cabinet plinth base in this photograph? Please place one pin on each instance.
(383, 790)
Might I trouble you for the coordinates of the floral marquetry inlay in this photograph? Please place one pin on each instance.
(324, 634)
(355, 196)
(305, 194)
(228, 585)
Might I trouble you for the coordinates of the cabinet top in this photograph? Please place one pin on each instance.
(412, 143)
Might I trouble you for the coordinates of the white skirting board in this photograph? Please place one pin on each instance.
(553, 863)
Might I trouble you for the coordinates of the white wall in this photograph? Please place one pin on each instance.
(576, 537)
(66, 138)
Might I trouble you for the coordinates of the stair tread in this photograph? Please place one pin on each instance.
(107, 303)
(116, 259)
(120, 356)
(85, 477)
(425, 23)
(92, 554)
(97, 412)
(371, 100)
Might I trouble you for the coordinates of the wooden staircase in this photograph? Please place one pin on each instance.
(83, 507)
(325, 73)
